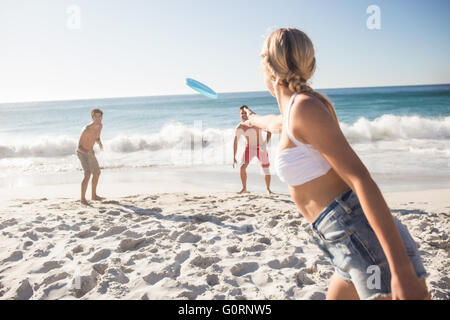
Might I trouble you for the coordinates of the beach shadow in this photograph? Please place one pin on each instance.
(196, 218)
(286, 201)
(405, 212)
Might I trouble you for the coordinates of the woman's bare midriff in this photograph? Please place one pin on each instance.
(314, 196)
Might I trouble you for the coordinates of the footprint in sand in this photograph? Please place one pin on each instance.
(41, 253)
(15, 256)
(117, 276)
(77, 249)
(75, 227)
(100, 255)
(241, 269)
(7, 234)
(189, 237)
(171, 271)
(132, 234)
(265, 240)
(214, 239)
(44, 229)
(112, 231)
(236, 292)
(212, 279)
(48, 291)
(100, 267)
(182, 256)
(64, 227)
(154, 277)
(27, 244)
(302, 279)
(94, 228)
(289, 262)
(30, 235)
(258, 247)
(49, 265)
(133, 244)
(85, 234)
(194, 290)
(295, 223)
(298, 250)
(150, 212)
(126, 270)
(56, 277)
(233, 249)
(24, 291)
(272, 223)
(204, 262)
(113, 213)
(174, 234)
(156, 233)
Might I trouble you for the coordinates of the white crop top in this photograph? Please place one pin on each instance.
(303, 163)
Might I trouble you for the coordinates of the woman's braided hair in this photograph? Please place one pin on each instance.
(288, 57)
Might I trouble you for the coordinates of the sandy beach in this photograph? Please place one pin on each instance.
(184, 245)
(168, 109)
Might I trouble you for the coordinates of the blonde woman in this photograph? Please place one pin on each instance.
(373, 254)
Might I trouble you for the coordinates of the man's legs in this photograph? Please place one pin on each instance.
(95, 176)
(263, 158)
(87, 175)
(84, 185)
(244, 178)
(265, 169)
(267, 179)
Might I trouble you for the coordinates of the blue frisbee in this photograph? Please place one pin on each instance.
(201, 88)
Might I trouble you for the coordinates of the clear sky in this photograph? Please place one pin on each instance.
(143, 48)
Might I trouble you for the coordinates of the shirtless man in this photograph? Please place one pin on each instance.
(85, 152)
(255, 147)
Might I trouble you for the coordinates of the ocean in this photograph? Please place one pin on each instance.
(398, 132)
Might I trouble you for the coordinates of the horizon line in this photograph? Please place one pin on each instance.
(194, 94)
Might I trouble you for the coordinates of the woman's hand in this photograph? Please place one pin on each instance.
(270, 122)
(408, 287)
(249, 111)
(247, 123)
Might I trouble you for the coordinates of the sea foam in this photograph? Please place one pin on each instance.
(179, 136)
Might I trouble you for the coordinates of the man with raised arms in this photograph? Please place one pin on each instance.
(255, 147)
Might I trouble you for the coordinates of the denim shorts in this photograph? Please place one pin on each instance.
(343, 233)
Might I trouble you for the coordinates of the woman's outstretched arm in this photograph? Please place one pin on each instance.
(272, 123)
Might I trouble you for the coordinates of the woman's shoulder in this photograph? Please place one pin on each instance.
(309, 107)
